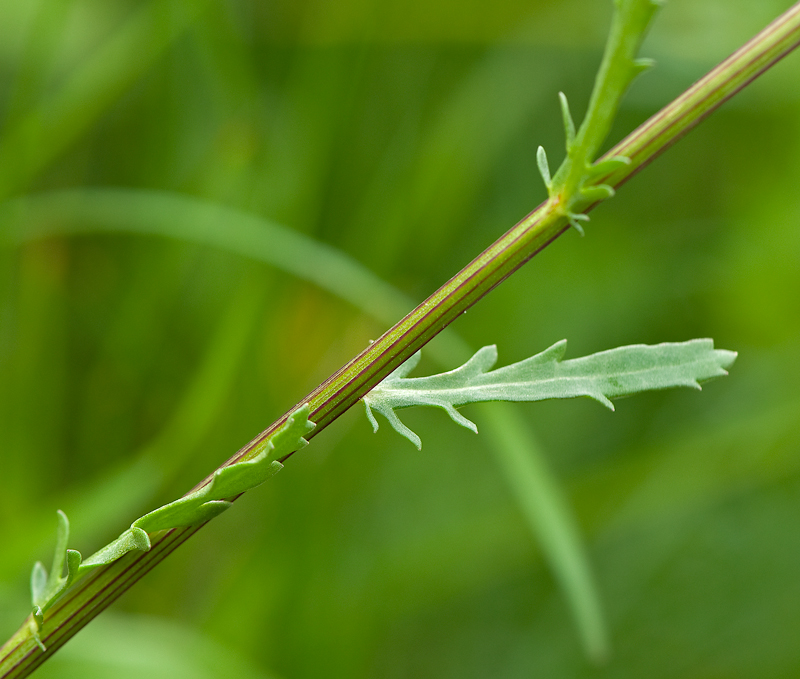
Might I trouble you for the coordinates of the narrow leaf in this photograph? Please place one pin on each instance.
(569, 123)
(73, 566)
(544, 167)
(46, 587)
(38, 583)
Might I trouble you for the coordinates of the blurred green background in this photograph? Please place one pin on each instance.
(148, 152)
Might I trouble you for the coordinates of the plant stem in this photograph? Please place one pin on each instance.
(673, 121)
(20, 655)
(617, 70)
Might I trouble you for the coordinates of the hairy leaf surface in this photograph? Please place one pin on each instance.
(602, 376)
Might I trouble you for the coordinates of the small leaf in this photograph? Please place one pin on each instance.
(289, 437)
(233, 480)
(602, 376)
(60, 556)
(566, 116)
(46, 588)
(191, 510)
(607, 166)
(544, 167)
(201, 506)
(597, 193)
(182, 512)
(370, 417)
(132, 539)
(393, 420)
(575, 225)
(73, 565)
(574, 219)
(38, 583)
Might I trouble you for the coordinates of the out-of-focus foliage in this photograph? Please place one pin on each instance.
(403, 134)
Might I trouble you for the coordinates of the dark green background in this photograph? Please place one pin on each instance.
(403, 134)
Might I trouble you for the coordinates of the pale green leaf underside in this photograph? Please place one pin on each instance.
(194, 509)
(602, 376)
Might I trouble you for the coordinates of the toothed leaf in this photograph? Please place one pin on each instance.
(601, 377)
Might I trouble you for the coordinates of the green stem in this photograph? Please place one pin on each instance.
(20, 655)
(672, 122)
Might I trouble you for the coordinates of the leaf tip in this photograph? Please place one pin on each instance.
(408, 433)
(458, 418)
(544, 167)
(574, 220)
(602, 399)
(726, 358)
(139, 539)
(569, 123)
(597, 192)
(38, 584)
(74, 559)
(370, 416)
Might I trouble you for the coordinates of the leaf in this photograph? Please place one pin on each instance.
(602, 376)
(230, 481)
(544, 167)
(132, 539)
(38, 582)
(46, 587)
(198, 507)
(607, 166)
(569, 124)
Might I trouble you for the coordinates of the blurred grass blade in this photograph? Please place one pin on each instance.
(36, 138)
(525, 467)
(134, 646)
(192, 220)
(128, 490)
(552, 521)
(456, 152)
